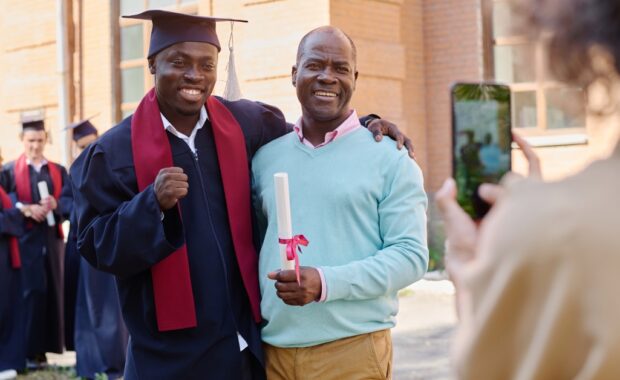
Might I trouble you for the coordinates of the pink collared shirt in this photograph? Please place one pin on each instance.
(349, 125)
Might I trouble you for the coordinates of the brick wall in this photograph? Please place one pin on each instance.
(375, 26)
(409, 53)
(28, 76)
(414, 101)
(97, 65)
(267, 45)
(453, 52)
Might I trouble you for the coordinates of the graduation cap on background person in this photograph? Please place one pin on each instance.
(82, 128)
(33, 121)
(170, 28)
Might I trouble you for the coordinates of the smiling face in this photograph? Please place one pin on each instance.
(185, 74)
(324, 77)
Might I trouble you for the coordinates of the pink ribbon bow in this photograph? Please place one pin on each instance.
(292, 246)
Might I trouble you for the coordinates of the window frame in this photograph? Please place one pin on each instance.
(540, 84)
(120, 106)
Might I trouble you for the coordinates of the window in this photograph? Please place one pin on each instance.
(134, 35)
(540, 104)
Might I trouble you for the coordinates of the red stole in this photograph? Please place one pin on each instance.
(172, 287)
(23, 185)
(16, 261)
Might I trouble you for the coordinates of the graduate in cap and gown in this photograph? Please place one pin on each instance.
(92, 309)
(163, 202)
(12, 344)
(83, 133)
(42, 245)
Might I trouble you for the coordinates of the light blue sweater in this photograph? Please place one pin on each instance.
(362, 206)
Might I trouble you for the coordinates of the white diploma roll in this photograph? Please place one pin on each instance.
(283, 210)
(44, 192)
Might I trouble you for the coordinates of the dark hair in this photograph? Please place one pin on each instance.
(330, 29)
(576, 29)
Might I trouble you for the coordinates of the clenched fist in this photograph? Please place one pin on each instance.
(170, 186)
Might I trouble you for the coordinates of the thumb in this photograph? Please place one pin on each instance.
(273, 275)
(490, 193)
(445, 196)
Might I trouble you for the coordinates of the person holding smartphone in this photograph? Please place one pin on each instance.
(537, 282)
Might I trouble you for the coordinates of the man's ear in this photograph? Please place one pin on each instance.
(355, 79)
(152, 65)
(294, 75)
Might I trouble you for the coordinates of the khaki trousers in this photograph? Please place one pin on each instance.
(360, 357)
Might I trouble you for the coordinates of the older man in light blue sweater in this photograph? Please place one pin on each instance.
(361, 205)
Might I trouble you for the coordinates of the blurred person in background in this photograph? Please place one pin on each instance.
(42, 246)
(12, 348)
(94, 326)
(537, 282)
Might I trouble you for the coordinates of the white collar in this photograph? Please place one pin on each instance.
(36, 167)
(189, 140)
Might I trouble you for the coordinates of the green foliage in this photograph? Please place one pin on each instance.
(480, 91)
(51, 373)
(435, 259)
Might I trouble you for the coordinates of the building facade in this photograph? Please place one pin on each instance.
(409, 53)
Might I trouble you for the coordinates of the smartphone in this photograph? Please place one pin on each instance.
(481, 138)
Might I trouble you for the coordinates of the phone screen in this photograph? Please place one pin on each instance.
(481, 140)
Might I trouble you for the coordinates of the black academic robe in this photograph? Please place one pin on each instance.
(94, 327)
(100, 333)
(71, 268)
(12, 343)
(42, 252)
(121, 231)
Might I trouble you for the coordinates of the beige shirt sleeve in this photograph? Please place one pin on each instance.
(543, 301)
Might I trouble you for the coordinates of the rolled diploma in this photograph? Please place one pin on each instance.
(283, 210)
(44, 192)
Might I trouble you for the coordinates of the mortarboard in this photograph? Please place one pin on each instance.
(33, 122)
(170, 28)
(82, 128)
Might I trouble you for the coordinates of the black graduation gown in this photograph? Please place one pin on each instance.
(94, 327)
(100, 333)
(42, 251)
(71, 268)
(12, 343)
(121, 231)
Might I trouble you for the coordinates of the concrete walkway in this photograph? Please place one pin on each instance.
(422, 336)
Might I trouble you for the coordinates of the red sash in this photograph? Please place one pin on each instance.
(23, 186)
(172, 287)
(16, 261)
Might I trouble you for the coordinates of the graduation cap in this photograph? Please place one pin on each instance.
(170, 28)
(33, 121)
(82, 128)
